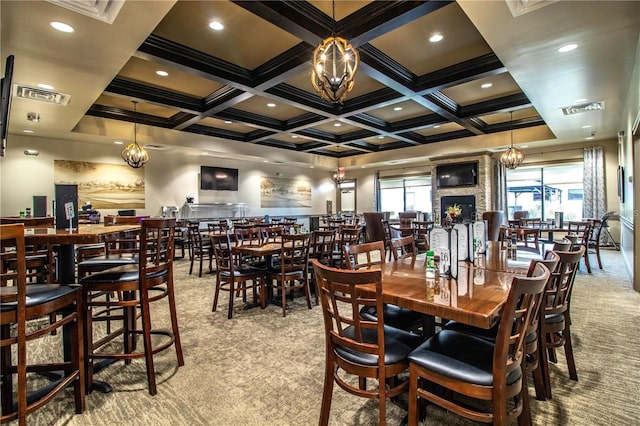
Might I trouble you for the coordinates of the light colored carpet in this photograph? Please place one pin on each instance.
(262, 369)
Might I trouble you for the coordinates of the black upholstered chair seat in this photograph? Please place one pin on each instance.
(395, 316)
(120, 274)
(38, 294)
(242, 271)
(116, 259)
(485, 333)
(554, 318)
(460, 356)
(398, 344)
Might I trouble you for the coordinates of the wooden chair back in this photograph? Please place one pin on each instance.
(495, 220)
(364, 255)
(404, 248)
(322, 245)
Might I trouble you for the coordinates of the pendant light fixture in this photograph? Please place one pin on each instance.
(512, 157)
(133, 154)
(334, 66)
(338, 175)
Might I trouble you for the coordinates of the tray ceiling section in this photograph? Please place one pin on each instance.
(408, 91)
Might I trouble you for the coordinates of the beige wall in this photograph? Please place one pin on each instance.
(169, 177)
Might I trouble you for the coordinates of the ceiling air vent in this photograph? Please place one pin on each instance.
(102, 10)
(35, 94)
(577, 109)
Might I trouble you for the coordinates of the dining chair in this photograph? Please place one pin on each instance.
(555, 318)
(421, 234)
(358, 349)
(291, 271)
(322, 244)
(468, 365)
(372, 255)
(495, 219)
(21, 306)
(200, 248)
(531, 345)
(346, 235)
(593, 245)
(582, 231)
(139, 286)
(235, 277)
(404, 248)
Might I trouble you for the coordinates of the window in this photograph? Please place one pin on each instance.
(543, 191)
(405, 194)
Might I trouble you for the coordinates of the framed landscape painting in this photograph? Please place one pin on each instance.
(280, 192)
(105, 186)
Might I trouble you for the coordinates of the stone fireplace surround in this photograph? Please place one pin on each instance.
(482, 193)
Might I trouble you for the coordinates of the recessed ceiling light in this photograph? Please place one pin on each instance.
(397, 109)
(162, 73)
(524, 146)
(294, 136)
(31, 152)
(312, 167)
(578, 101)
(568, 47)
(588, 138)
(271, 105)
(380, 137)
(337, 124)
(436, 38)
(27, 131)
(437, 126)
(227, 121)
(588, 126)
(486, 85)
(205, 153)
(45, 86)
(216, 25)
(62, 27)
(265, 161)
(118, 142)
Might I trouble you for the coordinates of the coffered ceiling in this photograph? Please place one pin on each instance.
(412, 98)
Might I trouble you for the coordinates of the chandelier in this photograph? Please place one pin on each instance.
(338, 175)
(134, 154)
(512, 157)
(334, 66)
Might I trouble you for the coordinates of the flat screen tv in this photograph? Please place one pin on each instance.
(218, 178)
(5, 103)
(456, 175)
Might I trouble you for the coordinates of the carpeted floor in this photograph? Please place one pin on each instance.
(262, 369)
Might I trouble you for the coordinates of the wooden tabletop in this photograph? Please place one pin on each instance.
(85, 234)
(258, 250)
(475, 298)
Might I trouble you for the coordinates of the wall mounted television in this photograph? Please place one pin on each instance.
(5, 103)
(218, 178)
(456, 175)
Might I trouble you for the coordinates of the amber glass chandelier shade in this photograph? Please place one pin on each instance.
(134, 154)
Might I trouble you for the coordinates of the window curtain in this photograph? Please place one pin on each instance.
(501, 189)
(376, 190)
(593, 204)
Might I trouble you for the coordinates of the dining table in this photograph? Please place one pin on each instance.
(67, 240)
(475, 297)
